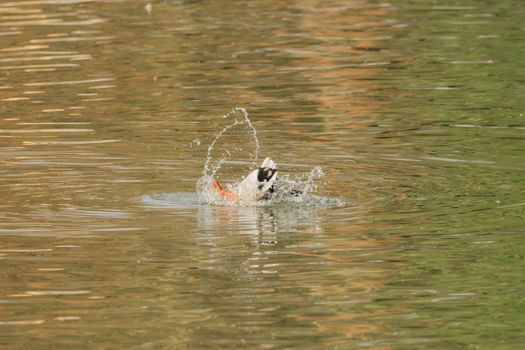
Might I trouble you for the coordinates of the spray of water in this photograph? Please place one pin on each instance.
(290, 190)
(207, 171)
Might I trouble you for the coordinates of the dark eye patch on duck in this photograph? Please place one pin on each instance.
(264, 174)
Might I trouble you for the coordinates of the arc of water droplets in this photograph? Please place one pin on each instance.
(246, 121)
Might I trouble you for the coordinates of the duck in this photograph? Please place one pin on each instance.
(257, 186)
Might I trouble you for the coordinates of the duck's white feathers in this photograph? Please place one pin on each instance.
(257, 184)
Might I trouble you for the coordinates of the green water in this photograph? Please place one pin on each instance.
(414, 110)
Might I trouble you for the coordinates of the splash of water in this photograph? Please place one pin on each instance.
(290, 190)
(236, 122)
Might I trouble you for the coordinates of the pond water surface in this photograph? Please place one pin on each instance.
(414, 111)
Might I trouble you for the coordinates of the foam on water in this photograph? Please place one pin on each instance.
(175, 200)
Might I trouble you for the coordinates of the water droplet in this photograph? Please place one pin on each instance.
(148, 8)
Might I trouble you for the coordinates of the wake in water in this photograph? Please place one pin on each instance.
(262, 186)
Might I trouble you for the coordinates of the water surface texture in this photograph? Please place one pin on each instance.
(414, 110)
